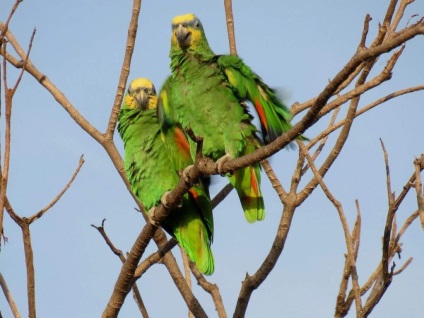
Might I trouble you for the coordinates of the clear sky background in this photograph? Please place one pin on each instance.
(294, 45)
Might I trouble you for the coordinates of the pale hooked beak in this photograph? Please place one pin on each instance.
(142, 99)
(183, 35)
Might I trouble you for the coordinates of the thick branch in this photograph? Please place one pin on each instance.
(126, 277)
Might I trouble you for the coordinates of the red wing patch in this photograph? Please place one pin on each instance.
(181, 141)
(254, 181)
(261, 113)
(193, 193)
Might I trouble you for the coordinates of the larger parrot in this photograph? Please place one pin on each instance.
(205, 94)
(153, 161)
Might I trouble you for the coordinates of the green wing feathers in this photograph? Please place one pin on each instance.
(274, 116)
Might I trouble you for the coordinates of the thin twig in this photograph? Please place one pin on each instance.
(356, 232)
(221, 195)
(116, 251)
(407, 223)
(381, 100)
(389, 220)
(212, 289)
(154, 258)
(377, 272)
(323, 140)
(40, 213)
(136, 293)
(276, 184)
(18, 81)
(6, 25)
(348, 238)
(139, 301)
(125, 69)
(29, 260)
(49, 86)
(399, 14)
(419, 187)
(186, 265)
(9, 298)
(230, 26)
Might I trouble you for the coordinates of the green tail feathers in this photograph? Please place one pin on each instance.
(194, 231)
(247, 183)
(198, 250)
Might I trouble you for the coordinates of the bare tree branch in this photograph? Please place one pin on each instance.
(126, 276)
(276, 184)
(29, 260)
(61, 193)
(49, 86)
(125, 70)
(6, 25)
(212, 289)
(418, 163)
(154, 258)
(187, 276)
(136, 293)
(9, 298)
(222, 195)
(380, 101)
(359, 67)
(230, 26)
(348, 237)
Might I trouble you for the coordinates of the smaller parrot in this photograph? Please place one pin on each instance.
(153, 161)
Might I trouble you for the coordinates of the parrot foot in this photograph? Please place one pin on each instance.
(220, 162)
(150, 215)
(186, 174)
(164, 200)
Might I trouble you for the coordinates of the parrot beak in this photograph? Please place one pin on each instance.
(142, 99)
(183, 36)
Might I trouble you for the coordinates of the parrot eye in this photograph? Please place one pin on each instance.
(197, 25)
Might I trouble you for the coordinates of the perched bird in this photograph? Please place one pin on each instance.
(205, 94)
(153, 161)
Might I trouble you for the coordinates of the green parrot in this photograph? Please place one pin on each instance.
(153, 161)
(206, 95)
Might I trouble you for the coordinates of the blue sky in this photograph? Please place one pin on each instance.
(293, 46)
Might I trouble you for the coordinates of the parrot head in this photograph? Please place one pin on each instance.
(141, 94)
(187, 32)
